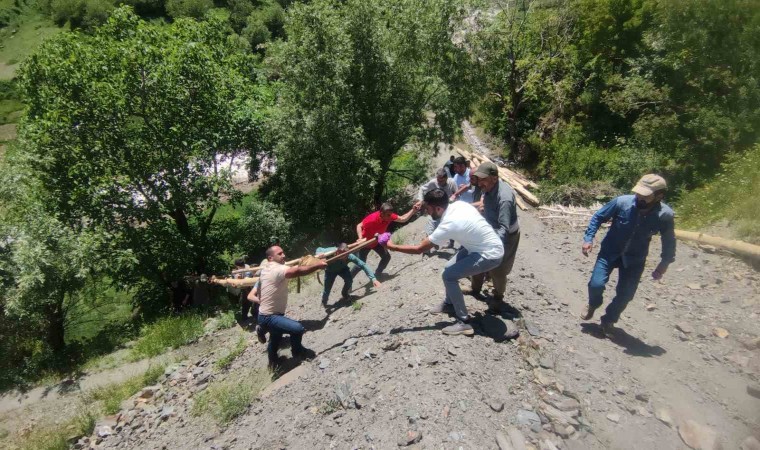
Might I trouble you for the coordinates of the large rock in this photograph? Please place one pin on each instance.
(528, 418)
(498, 329)
(665, 416)
(409, 438)
(698, 436)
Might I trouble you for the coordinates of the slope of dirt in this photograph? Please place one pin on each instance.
(385, 376)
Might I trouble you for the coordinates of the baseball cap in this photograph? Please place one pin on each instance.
(649, 184)
(486, 169)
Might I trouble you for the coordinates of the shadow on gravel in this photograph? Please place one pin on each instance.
(437, 326)
(632, 345)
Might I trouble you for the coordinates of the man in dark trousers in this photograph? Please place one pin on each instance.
(635, 219)
(339, 268)
(500, 211)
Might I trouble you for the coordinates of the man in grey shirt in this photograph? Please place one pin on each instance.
(500, 211)
(442, 182)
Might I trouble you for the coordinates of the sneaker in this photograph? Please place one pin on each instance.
(442, 308)
(304, 353)
(608, 329)
(261, 334)
(459, 328)
(588, 312)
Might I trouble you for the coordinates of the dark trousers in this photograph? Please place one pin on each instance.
(278, 325)
(246, 305)
(385, 258)
(628, 282)
(330, 277)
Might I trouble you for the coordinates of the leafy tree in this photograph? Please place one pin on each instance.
(46, 261)
(524, 55)
(133, 129)
(188, 8)
(359, 80)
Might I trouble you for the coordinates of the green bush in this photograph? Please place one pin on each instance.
(169, 332)
(188, 8)
(85, 14)
(228, 399)
(113, 395)
(732, 196)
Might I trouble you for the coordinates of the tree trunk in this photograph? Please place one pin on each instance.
(55, 332)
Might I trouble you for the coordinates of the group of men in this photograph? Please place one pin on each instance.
(477, 210)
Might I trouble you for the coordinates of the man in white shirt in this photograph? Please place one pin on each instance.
(481, 251)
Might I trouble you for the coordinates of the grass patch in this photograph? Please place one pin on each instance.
(731, 196)
(10, 111)
(169, 332)
(357, 305)
(398, 238)
(226, 360)
(580, 193)
(56, 437)
(30, 31)
(114, 394)
(226, 320)
(228, 399)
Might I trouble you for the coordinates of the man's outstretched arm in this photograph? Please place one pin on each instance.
(422, 247)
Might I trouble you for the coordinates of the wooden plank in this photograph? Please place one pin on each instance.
(740, 248)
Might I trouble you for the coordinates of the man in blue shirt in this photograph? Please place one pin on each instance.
(339, 268)
(635, 219)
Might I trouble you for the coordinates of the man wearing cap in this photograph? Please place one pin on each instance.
(635, 219)
(500, 211)
(481, 251)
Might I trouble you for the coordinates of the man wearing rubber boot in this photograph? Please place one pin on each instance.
(500, 210)
(635, 219)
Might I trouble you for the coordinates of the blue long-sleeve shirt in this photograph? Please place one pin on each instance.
(338, 265)
(631, 232)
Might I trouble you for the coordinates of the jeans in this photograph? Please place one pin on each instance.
(385, 258)
(277, 325)
(463, 264)
(499, 274)
(628, 282)
(344, 273)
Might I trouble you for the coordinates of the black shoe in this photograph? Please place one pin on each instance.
(261, 334)
(275, 364)
(477, 294)
(304, 353)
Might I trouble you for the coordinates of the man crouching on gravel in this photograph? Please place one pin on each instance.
(481, 251)
(273, 292)
(635, 219)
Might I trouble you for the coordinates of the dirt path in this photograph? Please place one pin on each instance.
(385, 370)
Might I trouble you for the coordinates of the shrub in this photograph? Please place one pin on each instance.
(228, 399)
(188, 8)
(732, 196)
(169, 332)
(113, 395)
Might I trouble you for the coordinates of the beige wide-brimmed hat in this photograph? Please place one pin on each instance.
(649, 184)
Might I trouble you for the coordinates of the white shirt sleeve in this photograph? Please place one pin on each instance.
(440, 235)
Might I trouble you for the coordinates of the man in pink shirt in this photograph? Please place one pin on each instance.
(273, 292)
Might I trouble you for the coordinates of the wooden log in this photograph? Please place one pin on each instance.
(352, 250)
(740, 248)
(504, 175)
(234, 282)
(572, 213)
(293, 262)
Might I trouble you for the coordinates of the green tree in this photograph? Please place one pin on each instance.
(46, 261)
(523, 50)
(360, 80)
(133, 130)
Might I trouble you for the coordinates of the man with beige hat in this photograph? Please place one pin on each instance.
(635, 219)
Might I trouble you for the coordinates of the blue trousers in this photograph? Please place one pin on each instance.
(330, 277)
(463, 264)
(277, 325)
(628, 282)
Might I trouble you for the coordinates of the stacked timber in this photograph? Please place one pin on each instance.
(517, 181)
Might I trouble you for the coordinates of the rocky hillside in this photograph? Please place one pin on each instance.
(682, 371)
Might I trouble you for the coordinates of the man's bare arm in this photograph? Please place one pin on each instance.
(409, 214)
(299, 271)
(422, 247)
